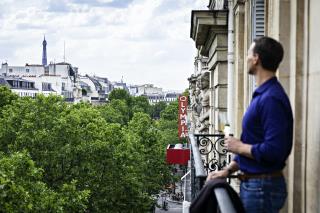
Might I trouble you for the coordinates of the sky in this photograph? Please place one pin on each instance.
(143, 41)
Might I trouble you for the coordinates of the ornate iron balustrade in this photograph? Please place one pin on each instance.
(213, 151)
(208, 153)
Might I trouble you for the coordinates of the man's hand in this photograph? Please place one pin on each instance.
(236, 146)
(232, 167)
(217, 174)
(233, 145)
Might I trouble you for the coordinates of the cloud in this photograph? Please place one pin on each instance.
(105, 3)
(59, 6)
(146, 41)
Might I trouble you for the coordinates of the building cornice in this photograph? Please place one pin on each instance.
(204, 21)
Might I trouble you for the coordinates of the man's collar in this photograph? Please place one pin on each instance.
(265, 86)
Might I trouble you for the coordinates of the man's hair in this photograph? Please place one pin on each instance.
(270, 52)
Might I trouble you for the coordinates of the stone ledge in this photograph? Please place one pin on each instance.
(202, 21)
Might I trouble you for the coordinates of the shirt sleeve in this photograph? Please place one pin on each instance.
(275, 122)
(236, 159)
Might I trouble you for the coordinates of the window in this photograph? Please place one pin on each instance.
(46, 71)
(27, 70)
(10, 70)
(258, 13)
(15, 84)
(46, 86)
(258, 30)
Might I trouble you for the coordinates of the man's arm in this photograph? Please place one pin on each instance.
(236, 146)
(231, 168)
(274, 146)
(277, 126)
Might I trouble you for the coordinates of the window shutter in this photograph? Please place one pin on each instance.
(258, 30)
(258, 21)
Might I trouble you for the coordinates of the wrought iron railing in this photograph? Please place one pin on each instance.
(208, 153)
(213, 152)
(198, 172)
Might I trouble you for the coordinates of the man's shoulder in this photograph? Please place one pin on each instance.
(276, 92)
(275, 95)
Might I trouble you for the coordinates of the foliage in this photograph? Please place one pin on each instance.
(141, 104)
(115, 151)
(186, 92)
(22, 189)
(117, 111)
(170, 112)
(6, 97)
(157, 109)
(142, 132)
(120, 94)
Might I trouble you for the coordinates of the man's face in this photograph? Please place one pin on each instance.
(252, 60)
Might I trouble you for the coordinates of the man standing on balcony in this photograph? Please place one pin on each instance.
(267, 131)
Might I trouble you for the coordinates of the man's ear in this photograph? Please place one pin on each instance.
(255, 59)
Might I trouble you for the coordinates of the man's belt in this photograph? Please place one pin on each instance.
(247, 176)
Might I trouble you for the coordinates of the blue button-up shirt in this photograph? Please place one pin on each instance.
(268, 126)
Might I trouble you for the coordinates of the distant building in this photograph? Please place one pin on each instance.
(44, 52)
(154, 98)
(20, 86)
(95, 89)
(63, 79)
(133, 90)
(119, 85)
(154, 94)
(149, 89)
(171, 96)
(55, 78)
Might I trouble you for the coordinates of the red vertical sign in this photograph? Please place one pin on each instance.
(182, 126)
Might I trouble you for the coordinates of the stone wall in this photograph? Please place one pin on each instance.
(295, 24)
(209, 31)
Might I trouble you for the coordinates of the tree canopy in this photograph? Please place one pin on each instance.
(59, 157)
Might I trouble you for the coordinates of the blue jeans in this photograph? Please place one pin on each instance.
(263, 195)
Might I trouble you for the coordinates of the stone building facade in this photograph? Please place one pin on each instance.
(295, 24)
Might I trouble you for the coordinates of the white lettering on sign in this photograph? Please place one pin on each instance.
(182, 127)
(182, 135)
(183, 98)
(183, 117)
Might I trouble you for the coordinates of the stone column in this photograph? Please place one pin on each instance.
(218, 67)
(239, 62)
(312, 65)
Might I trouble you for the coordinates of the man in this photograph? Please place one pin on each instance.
(266, 138)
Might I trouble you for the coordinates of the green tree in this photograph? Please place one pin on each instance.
(156, 173)
(22, 189)
(157, 108)
(29, 122)
(120, 94)
(117, 111)
(119, 158)
(6, 97)
(170, 112)
(141, 104)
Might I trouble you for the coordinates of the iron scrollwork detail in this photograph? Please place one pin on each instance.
(213, 151)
